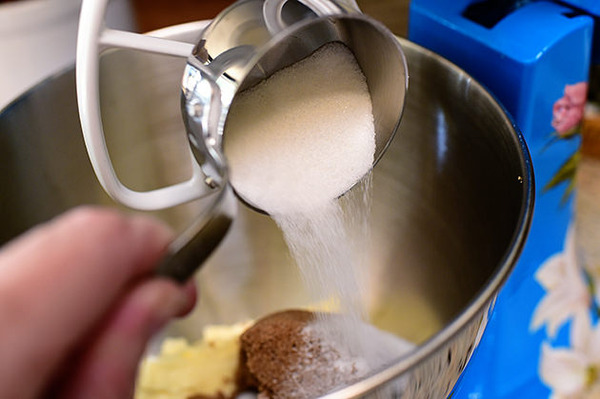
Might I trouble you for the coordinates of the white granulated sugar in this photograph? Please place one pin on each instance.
(295, 143)
(304, 136)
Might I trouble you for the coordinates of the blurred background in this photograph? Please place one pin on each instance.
(161, 13)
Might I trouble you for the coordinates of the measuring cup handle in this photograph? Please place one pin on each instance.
(93, 38)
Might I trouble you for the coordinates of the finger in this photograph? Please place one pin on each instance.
(60, 278)
(107, 369)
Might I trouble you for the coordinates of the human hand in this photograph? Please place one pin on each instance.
(78, 303)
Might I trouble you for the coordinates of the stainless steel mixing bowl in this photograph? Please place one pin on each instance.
(452, 203)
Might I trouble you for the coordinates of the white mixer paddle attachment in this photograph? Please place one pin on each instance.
(188, 251)
(93, 39)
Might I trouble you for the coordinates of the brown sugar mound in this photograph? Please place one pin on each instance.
(284, 356)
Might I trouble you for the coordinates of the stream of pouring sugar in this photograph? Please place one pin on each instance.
(329, 246)
(295, 144)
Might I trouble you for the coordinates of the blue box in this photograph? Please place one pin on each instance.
(526, 60)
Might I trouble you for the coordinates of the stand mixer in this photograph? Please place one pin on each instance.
(245, 44)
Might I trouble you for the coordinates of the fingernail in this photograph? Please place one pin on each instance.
(191, 295)
(175, 301)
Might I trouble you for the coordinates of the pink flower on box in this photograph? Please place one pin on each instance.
(568, 110)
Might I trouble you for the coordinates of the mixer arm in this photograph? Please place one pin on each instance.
(94, 38)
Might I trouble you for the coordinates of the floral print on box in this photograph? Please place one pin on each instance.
(572, 373)
(571, 279)
(567, 295)
(567, 112)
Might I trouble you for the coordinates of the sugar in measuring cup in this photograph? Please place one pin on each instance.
(243, 46)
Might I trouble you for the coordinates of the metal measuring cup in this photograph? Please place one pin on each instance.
(243, 45)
